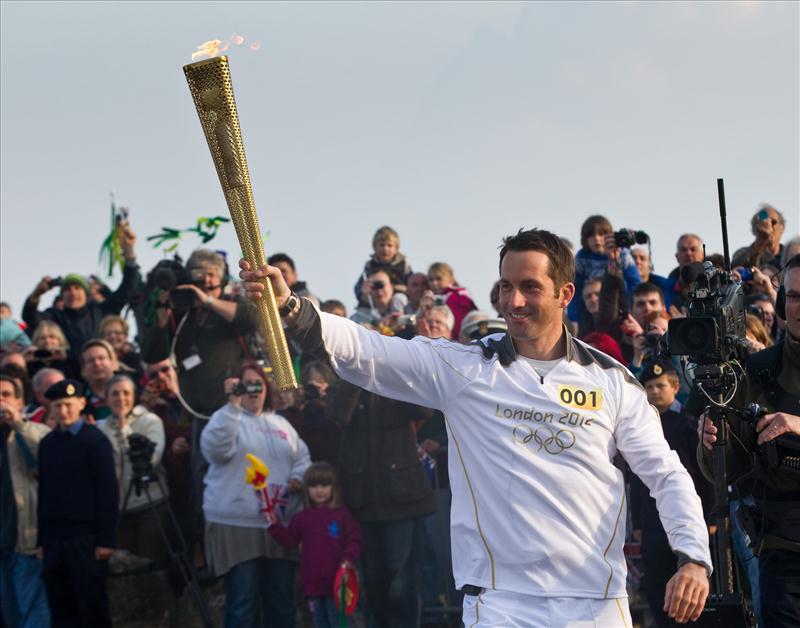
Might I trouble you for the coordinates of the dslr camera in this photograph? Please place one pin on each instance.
(140, 453)
(626, 238)
(247, 389)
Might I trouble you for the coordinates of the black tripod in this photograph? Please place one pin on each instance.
(726, 604)
(179, 556)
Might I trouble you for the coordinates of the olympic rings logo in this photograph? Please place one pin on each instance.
(552, 441)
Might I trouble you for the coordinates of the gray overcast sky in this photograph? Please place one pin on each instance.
(456, 123)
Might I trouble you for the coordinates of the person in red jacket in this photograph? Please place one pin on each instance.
(444, 285)
(330, 536)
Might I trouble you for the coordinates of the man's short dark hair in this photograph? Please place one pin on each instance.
(647, 288)
(281, 257)
(562, 265)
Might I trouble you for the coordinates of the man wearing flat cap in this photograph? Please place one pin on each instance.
(77, 511)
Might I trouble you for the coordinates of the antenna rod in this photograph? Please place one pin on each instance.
(724, 220)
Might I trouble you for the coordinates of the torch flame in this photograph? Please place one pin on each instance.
(215, 47)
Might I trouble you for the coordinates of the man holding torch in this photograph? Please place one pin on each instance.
(535, 418)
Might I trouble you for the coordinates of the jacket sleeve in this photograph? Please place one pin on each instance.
(123, 294)
(288, 536)
(629, 270)
(29, 435)
(218, 440)
(342, 401)
(106, 492)
(352, 538)
(41, 500)
(640, 438)
(32, 316)
(419, 371)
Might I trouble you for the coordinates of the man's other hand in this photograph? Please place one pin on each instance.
(253, 287)
(103, 553)
(686, 593)
(706, 432)
(771, 426)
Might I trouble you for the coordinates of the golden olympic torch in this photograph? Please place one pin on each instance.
(212, 91)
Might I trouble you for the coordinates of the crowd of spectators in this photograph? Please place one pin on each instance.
(368, 472)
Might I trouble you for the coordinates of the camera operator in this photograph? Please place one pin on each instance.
(773, 382)
(204, 336)
(137, 532)
(80, 317)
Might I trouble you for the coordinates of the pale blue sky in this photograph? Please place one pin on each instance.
(456, 123)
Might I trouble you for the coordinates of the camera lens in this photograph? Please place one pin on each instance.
(378, 284)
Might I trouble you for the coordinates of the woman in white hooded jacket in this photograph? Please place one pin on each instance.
(258, 573)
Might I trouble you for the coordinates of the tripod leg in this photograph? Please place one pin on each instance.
(179, 557)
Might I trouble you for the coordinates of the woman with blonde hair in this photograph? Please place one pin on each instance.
(114, 330)
(50, 349)
(757, 334)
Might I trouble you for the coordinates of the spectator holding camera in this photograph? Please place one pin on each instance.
(322, 435)
(386, 257)
(258, 573)
(206, 337)
(599, 253)
(80, 317)
(136, 532)
(767, 225)
(50, 349)
(384, 303)
(22, 596)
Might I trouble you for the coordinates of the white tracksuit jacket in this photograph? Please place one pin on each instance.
(538, 507)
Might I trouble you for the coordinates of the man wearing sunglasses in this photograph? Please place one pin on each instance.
(765, 251)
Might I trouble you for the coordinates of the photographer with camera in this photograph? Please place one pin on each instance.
(601, 251)
(202, 329)
(50, 349)
(385, 305)
(203, 334)
(134, 457)
(773, 382)
(258, 573)
(80, 318)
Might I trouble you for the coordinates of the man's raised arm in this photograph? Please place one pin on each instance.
(417, 371)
